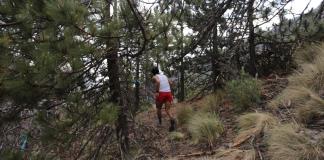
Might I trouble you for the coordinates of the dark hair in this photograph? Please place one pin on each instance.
(155, 70)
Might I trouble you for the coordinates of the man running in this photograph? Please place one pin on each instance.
(163, 95)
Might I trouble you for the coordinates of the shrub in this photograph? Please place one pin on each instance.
(183, 114)
(108, 114)
(289, 142)
(244, 92)
(205, 127)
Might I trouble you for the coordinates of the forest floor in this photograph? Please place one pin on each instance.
(158, 136)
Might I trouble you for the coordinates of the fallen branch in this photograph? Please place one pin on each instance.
(198, 154)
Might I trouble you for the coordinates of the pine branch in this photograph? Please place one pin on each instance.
(3, 24)
(139, 19)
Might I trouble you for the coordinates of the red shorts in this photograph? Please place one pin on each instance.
(164, 97)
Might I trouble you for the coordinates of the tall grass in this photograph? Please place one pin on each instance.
(310, 75)
(213, 102)
(205, 127)
(307, 80)
(308, 54)
(183, 114)
(312, 110)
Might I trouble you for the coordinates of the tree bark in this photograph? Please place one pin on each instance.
(213, 57)
(114, 87)
(137, 86)
(182, 69)
(252, 61)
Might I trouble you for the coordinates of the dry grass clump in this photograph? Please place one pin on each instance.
(205, 127)
(311, 73)
(293, 96)
(213, 102)
(256, 120)
(311, 111)
(310, 76)
(289, 142)
(309, 54)
(183, 114)
(231, 154)
(252, 124)
(176, 136)
(308, 80)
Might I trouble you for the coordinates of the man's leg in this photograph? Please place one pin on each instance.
(167, 110)
(159, 112)
(172, 120)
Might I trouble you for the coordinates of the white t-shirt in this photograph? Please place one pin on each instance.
(164, 83)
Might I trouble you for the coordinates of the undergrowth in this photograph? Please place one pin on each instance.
(244, 92)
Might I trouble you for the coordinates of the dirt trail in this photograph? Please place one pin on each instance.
(158, 136)
(177, 149)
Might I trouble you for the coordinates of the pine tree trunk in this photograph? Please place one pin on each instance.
(182, 70)
(114, 87)
(137, 86)
(252, 61)
(213, 56)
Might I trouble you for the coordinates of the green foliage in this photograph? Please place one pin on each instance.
(49, 133)
(65, 12)
(19, 155)
(11, 155)
(21, 91)
(4, 41)
(108, 114)
(205, 127)
(244, 92)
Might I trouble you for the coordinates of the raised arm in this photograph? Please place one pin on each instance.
(170, 83)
